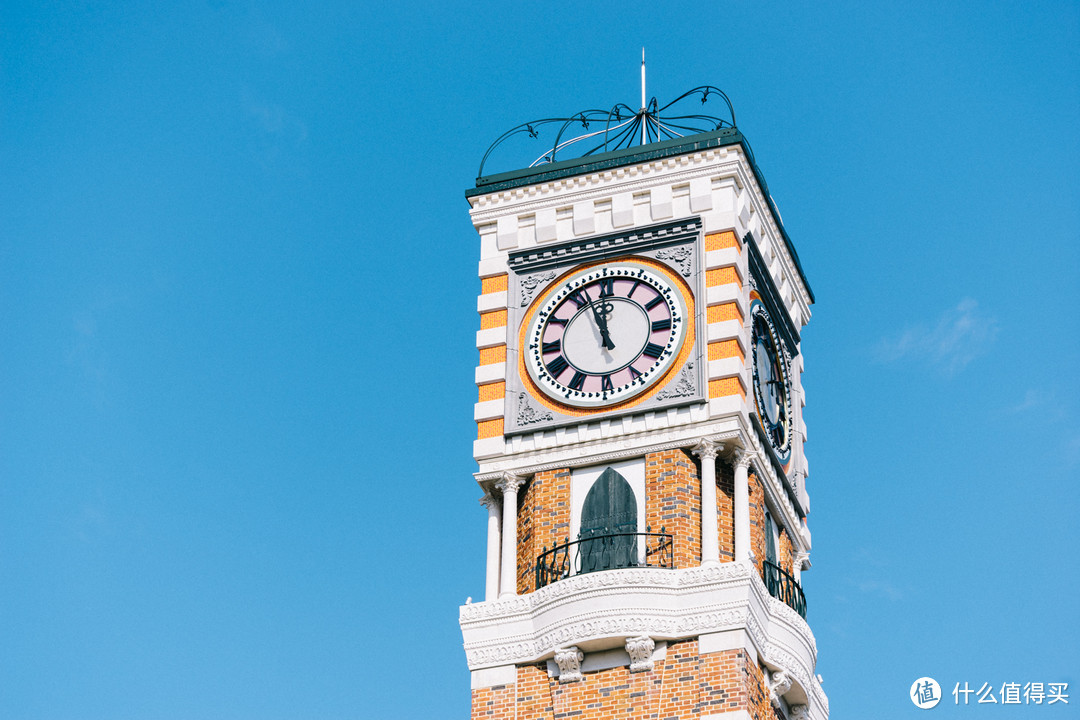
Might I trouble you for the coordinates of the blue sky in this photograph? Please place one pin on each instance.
(237, 311)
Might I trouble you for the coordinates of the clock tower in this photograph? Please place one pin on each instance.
(639, 427)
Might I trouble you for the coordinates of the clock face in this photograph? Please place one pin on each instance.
(605, 334)
(772, 385)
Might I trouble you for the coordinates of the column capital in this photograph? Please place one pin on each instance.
(801, 560)
(707, 448)
(742, 457)
(489, 501)
(509, 483)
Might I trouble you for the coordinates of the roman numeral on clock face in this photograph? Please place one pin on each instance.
(607, 287)
(606, 384)
(654, 302)
(653, 350)
(578, 381)
(664, 324)
(578, 298)
(557, 366)
(553, 346)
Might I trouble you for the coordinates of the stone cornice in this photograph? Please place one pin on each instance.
(604, 609)
(595, 186)
(624, 447)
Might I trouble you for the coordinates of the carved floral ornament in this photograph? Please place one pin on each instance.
(707, 448)
(640, 650)
(569, 662)
(509, 483)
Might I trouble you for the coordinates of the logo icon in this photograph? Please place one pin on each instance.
(925, 693)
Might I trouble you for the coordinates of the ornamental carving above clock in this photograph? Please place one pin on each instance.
(605, 324)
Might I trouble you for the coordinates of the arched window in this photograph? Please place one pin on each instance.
(770, 538)
(608, 524)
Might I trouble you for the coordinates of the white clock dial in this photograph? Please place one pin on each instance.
(605, 334)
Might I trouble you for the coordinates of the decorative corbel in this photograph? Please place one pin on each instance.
(778, 685)
(640, 650)
(569, 662)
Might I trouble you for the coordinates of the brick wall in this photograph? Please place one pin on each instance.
(682, 686)
(725, 508)
(673, 502)
(757, 521)
(543, 520)
(785, 558)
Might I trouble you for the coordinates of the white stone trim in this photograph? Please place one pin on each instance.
(595, 453)
(737, 639)
(601, 610)
(490, 373)
(492, 266)
(488, 447)
(725, 330)
(726, 367)
(506, 234)
(488, 410)
(724, 257)
(491, 301)
(492, 676)
(490, 337)
(726, 293)
(729, 715)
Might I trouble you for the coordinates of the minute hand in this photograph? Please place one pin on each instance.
(601, 322)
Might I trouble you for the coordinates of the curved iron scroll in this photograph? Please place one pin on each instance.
(604, 552)
(621, 127)
(783, 587)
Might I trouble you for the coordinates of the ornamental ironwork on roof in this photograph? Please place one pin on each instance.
(594, 132)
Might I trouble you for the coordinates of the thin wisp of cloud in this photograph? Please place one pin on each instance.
(960, 335)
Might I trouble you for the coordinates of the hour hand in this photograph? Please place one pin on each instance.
(601, 323)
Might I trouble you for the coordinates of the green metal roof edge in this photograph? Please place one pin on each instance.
(630, 156)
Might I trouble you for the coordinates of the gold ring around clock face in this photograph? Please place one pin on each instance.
(605, 334)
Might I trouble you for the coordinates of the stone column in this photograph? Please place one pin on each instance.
(797, 565)
(710, 541)
(742, 459)
(508, 578)
(491, 578)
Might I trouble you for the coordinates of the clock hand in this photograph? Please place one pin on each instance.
(601, 322)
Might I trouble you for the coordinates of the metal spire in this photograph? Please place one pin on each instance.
(642, 94)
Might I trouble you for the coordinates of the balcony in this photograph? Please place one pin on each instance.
(783, 587)
(604, 552)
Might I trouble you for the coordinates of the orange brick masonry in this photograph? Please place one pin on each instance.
(683, 685)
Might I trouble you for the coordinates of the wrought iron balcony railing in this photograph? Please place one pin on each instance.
(604, 552)
(784, 587)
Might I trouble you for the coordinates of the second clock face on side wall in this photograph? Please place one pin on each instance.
(772, 384)
(605, 334)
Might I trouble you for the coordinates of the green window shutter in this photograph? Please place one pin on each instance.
(608, 524)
